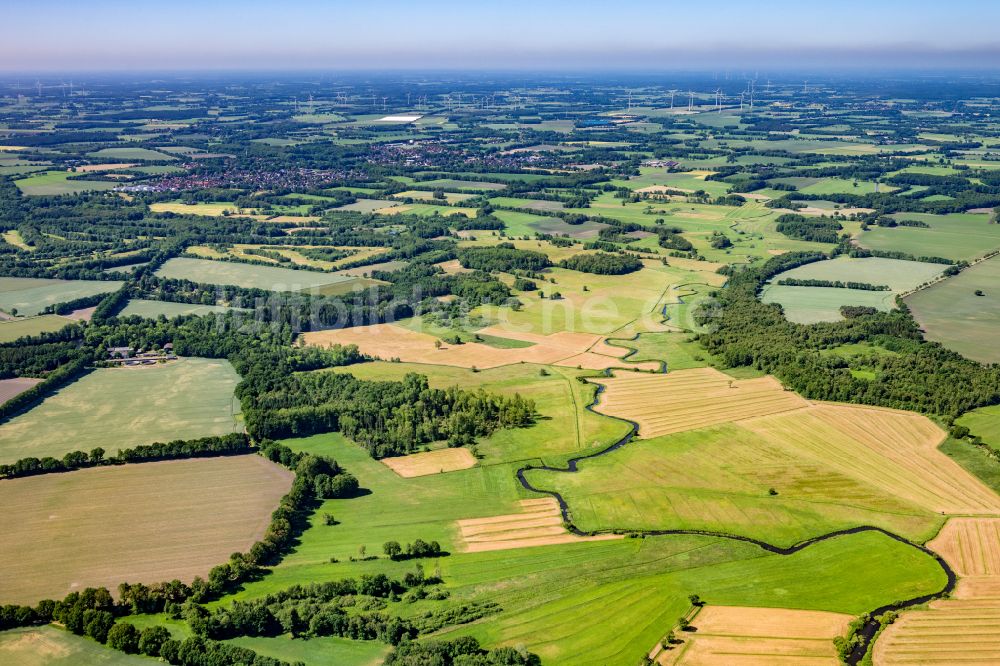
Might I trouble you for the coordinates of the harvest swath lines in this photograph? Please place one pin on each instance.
(540, 524)
(886, 448)
(882, 447)
(737, 636)
(970, 545)
(966, 628)
(690, 399)
(430, 462)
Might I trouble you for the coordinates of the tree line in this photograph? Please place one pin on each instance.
(922, 376)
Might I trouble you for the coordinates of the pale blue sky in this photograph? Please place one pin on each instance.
(65, 35)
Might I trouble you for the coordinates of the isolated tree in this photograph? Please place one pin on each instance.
(392, 549)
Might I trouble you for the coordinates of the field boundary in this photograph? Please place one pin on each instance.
(871, 625)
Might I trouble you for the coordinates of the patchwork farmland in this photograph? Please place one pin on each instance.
(511, 369)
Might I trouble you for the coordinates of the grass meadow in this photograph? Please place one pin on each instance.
(810, 305)
(50, 646)
(897, 274)
(957, 236)
(18, 328)
(139, 307)
(564, 426)
(951, 313)
(317, 651)
(272, 278)
(718, 479)
(29, 296)
(583, 603)
(115, 408)
(51, 183)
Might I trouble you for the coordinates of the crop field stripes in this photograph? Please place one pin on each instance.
(540, 524)
(971, 545)
(730, 635)
(966, 628)
(884, 448)
(430, 462)
(690, 399)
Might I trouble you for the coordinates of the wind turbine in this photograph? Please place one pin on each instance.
(690, 101)
(718, 100)
(672, 99)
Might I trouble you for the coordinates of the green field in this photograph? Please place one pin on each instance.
(57, 182)
(898, 275)
(957, 236)
(682, 181)
(130, 153)
(564, 426)
(272, 278)
(578, 605)
(677, 350)
(528, 224)
(18, 328)
(318, 651)
(591, 303)
(809, 305)
(121, 407)
(29, 296)
(588, 603)
(952, 314)
(153, 309)
(984, 422)
(540, 205)
(718, 479)
(50, 646)
(369, 205)
(842, 186)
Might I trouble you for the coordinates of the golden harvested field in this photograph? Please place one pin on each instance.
(388, 341)
(202, 208)
(144, 522)
(431, 462)
(889, 449)
(966, 628)
(736, 636)
(539, 524)
(951, 631)
(95, 168)
(690, 399)
(970, 545)
(886, 448)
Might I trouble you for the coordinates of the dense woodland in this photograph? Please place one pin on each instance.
(921, 376)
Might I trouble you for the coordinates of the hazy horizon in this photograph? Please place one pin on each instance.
(113, 35)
